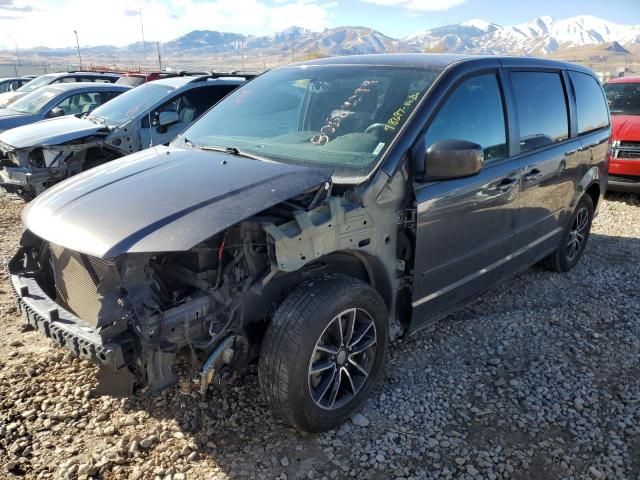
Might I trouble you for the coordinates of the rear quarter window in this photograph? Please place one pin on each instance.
(590, 102)
(541, 105)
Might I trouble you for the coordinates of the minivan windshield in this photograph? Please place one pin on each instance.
(36, 83)
(35, 101)
(343, 116)
(623, 98)
(126, 106)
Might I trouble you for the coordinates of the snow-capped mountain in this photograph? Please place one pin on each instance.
(542, 35)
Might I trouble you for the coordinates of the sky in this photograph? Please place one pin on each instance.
(29, 23)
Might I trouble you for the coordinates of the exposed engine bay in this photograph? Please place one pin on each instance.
(32, 170)
(198, 316)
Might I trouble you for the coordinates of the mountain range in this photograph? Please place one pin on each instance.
(541, 36)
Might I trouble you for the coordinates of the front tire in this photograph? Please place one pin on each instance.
(323, 352)
(574, 239)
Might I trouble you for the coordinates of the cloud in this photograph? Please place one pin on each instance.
(13, 6)
(119, 24)
(419, 5)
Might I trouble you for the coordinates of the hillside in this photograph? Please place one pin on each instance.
(585, 38)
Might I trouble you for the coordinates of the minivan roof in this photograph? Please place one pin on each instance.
(439, 60)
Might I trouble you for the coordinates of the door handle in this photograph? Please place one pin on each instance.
(506, 184)
(533, 175)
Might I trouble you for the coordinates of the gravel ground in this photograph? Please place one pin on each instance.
(537, 379)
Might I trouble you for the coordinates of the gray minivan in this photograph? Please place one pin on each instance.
(313, 214)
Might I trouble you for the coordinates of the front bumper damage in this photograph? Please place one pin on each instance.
(74, 334)
(30, 171)
(25, 179)
(106, 312)
(18, 175)
(64, 328)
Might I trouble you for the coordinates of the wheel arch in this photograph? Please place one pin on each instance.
(593, 191)
(592, 184)
(363, 266)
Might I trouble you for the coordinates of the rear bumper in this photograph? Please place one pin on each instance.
(63, 327)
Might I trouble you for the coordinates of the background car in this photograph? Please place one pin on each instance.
(53, 78)
(623, 95)
(151, 114)
(56, 101)
(11, 84)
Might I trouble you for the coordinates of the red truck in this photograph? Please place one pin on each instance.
(623, 95)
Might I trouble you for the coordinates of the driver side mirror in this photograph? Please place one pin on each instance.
(56, 112)
(448, 159)
(166, 118)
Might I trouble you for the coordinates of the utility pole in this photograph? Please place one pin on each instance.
(159, 58)
(144, 45)
(242, 55)
(18, 55)
(293, 57)
(78, 46)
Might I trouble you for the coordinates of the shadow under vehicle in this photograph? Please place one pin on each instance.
(310, 216)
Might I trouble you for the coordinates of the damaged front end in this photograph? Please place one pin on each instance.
(29, 171)
(140, 315)
(183, 290)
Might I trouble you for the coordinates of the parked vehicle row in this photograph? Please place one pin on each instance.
(42, 154)
(55, 78)
(310, 216)
(11, 84)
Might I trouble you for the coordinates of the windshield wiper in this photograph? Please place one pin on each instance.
(234, 151)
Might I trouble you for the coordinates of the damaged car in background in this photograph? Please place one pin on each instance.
(310, 216)
(41, 154)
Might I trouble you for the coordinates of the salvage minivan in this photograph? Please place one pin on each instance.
(313, 214)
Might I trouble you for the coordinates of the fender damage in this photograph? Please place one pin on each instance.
(183, 290)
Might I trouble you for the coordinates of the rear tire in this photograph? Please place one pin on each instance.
(574, 239)
(323, 352)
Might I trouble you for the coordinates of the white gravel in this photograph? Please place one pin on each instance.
(537, 379)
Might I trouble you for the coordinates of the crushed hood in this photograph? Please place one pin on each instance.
(625, 127)
(162, 199)
(51, 132)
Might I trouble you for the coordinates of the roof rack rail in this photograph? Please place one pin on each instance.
(187, 73)
(232, 74)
